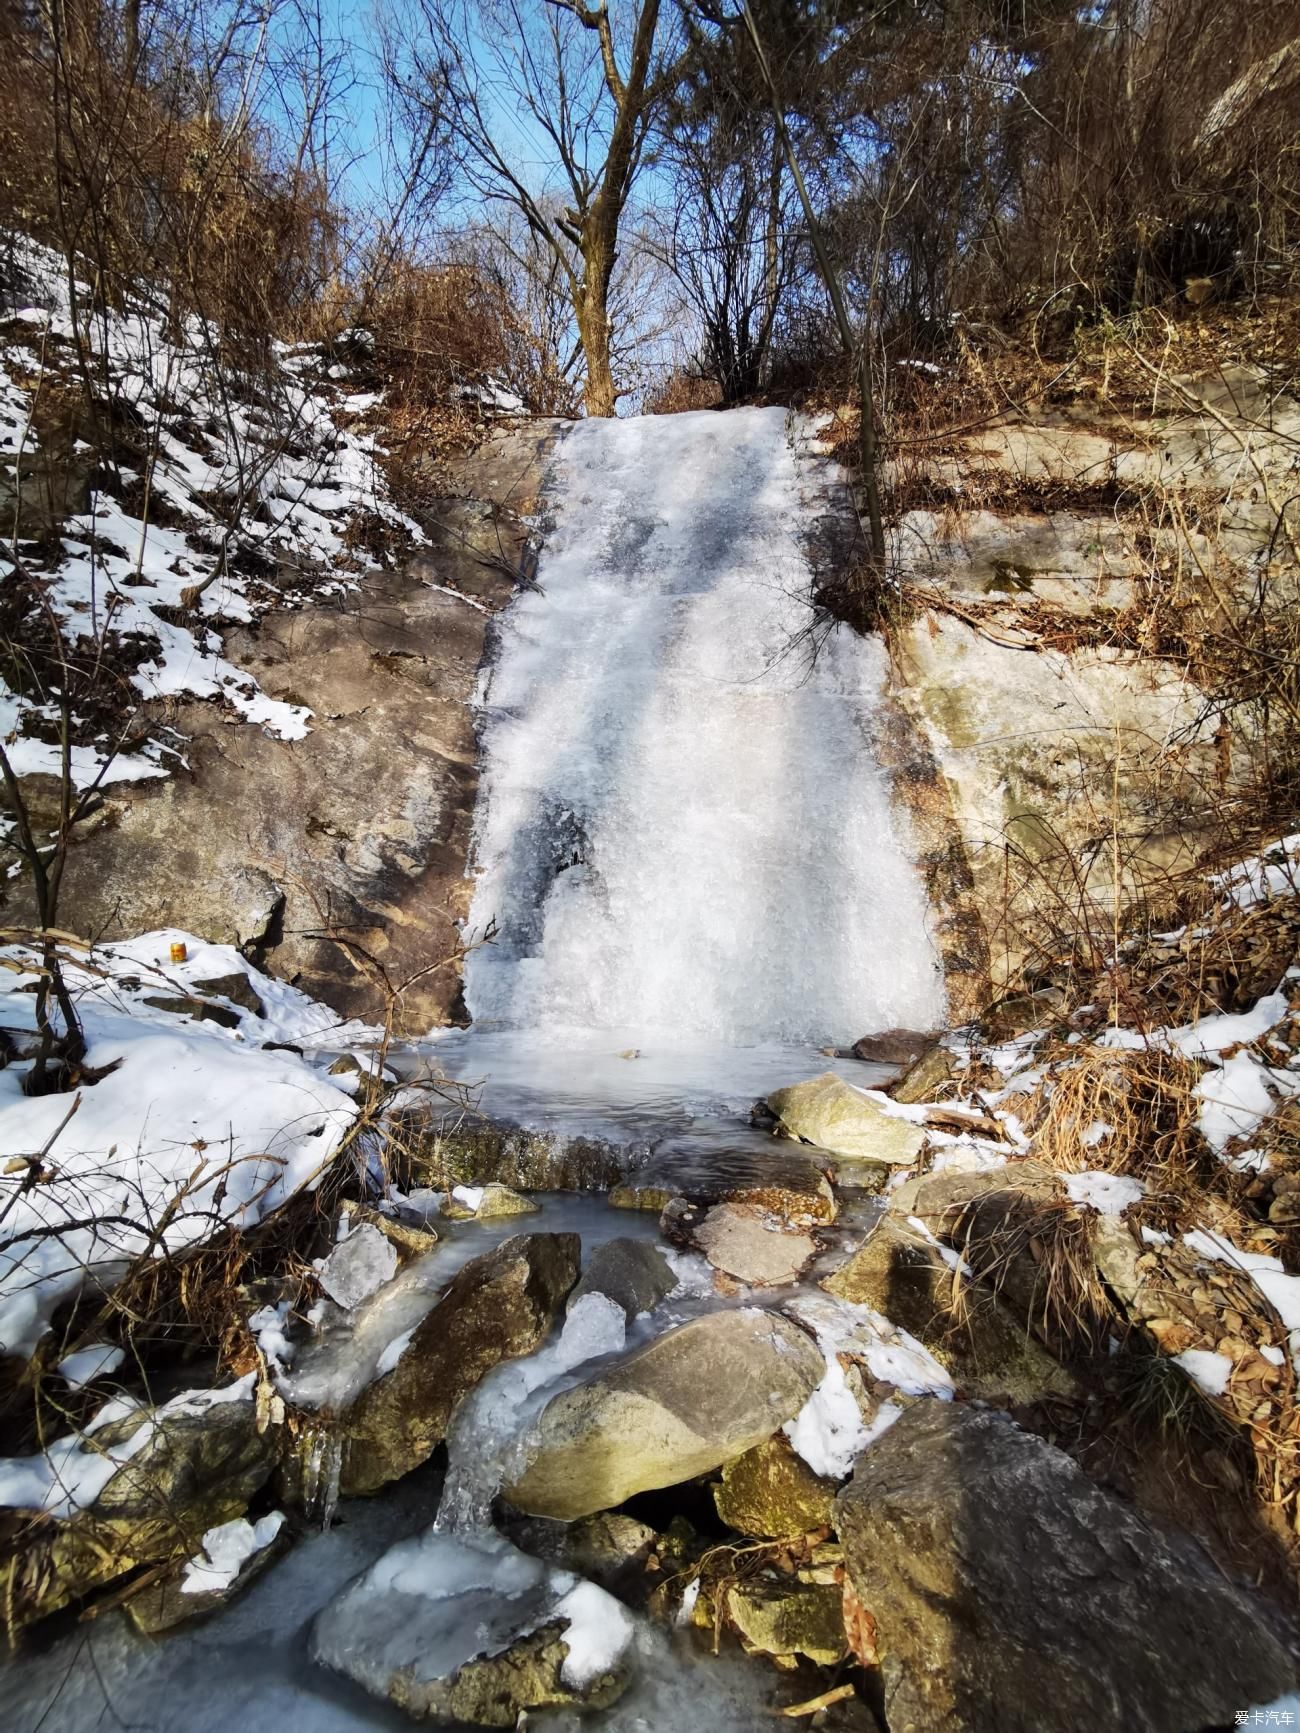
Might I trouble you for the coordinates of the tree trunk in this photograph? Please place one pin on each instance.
(591, 306)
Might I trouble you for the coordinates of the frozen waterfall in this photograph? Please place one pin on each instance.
(683, 832)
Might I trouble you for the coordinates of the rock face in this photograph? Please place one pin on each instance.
(692, 1399)
(632, 1273)
(830, 1113)
(1008, 1591)
(500, 1306)
(770, 1492)
(364, 825)
(466, 1629)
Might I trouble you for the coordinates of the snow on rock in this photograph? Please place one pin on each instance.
(72, 1472)
(226, 1550)
(1210, 1372)
(1108, 1193)
(82, 1368)
(190, 1128)
(830, 1432)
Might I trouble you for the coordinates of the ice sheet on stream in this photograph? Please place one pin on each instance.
(669, 774)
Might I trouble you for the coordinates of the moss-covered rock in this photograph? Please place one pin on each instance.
(770, 1492)
(784, 1618)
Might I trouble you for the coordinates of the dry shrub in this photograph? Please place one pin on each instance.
(684, 390)
(1146, 1098)
(1038, 1252)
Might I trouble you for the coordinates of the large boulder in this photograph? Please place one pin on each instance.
(1008, 1591)
(632, 1273)
(692, 1399)
(466, 1629)
(500, 1306)
(835, 1116)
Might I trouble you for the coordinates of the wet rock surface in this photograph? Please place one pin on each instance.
(1008, 1590)
(743, 1243)
(706, 1391)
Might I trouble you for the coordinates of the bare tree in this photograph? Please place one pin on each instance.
(503, 78)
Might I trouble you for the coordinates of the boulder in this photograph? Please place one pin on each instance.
(237, 988)
(610, 1548)
(783, 1618)
(894, 1046)
(988, 1351)
(769, 1493)
(1009, 1591)
(695, 1397)
(501, 1305)
(501, 1200)
(200, 1462)
(466, 1629)
(923, 1080)
(940, 1199)
(830, 1113)
(632, 1273)
(743, 1242)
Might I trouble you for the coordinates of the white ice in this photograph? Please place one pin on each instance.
(669, 775)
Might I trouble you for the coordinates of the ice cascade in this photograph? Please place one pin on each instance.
(684, 832)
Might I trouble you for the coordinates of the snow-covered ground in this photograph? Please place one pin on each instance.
(281, 453)
(194, 1125)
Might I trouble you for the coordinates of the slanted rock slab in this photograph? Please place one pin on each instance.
(632, 1273)
(691, 1400)
(752, 1246)
(1009, 1591)
(830, 1113)
(500, 1306)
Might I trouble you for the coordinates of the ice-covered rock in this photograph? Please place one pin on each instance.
(232, 1554)
(466, 1628)
(696, 1396)
(1008, 1590)
(358, 1266)
(501, 1305)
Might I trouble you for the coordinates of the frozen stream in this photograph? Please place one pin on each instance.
(688, 857)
